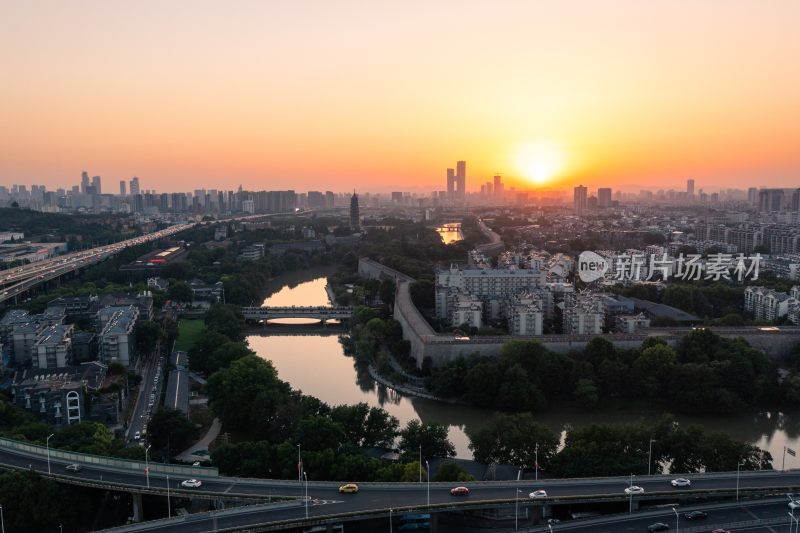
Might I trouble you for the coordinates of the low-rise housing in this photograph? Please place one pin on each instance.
(116, 340)
(53, 348)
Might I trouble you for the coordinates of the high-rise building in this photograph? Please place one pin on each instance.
(134, 186)
(354, 216)
(796, 200)
(690, 188)
(499, 191)
(457, 182)
(770, 200)
(122, 187)
(84, 181)
(603, 197)
(752, 196)
(579, 198)
(397, 197)
(96, 184)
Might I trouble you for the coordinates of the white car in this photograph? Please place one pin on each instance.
(633, 489)
(191, 483)
(136, 436)
(794, 504)
(538, 494)
(681, 482)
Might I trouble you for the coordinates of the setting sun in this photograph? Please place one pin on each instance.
(540, 162)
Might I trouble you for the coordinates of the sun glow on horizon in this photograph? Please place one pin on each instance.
(540, 161)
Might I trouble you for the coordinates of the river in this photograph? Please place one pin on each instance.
(315, 363)
(450, 232)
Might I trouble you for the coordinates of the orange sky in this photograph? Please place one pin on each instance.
(386, 95)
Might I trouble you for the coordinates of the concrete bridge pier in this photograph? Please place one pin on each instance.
(138, 510)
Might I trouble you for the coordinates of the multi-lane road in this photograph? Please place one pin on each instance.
(15, 281)
(374, 497)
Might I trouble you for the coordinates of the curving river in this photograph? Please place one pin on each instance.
(314, 362)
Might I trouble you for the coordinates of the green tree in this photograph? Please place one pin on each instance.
(452, 471)
(432, 438)
(180, 291)
(170, 431)
(247, 394)
(587, 393)
(226, 319)
(200, 354)
(147, 334)
(514, 439)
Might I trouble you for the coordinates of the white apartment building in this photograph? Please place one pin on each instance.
(767, 304)
(492, 286)
(525, 314)
(584, 317)
(631, 323)
(465, 309)
(53, 349)
(116, 340)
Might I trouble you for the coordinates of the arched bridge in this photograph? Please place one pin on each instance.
(318, 313)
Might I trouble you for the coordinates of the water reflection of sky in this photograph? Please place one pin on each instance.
(450, 233)
(317, 365)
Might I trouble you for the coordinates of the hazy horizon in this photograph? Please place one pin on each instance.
(384, 96)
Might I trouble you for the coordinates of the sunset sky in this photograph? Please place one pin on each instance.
(337, 94)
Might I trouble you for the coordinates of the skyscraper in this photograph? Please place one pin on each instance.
(752, 196)
(96, 184)
(770, 200)
(84, 181)
(457, 182)
(354, 216)
(690, 188)
(134, 186)
(122, 187)
(498, 188)
(579, 199)
(603, 197)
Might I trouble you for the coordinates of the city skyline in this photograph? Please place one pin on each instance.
(550, 94)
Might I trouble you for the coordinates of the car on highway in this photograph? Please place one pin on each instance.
(695, 515)
(794, 504)
(720, 530)
(658, 526)
(538, 494)
(633, 489)
(681, 482)
(459, 491)
(137, 436)
(73, 468)
(191, 483)
(350, 488)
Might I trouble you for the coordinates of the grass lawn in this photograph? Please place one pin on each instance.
(188, 331)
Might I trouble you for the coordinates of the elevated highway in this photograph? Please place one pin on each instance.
(16, 281)
(373, 498)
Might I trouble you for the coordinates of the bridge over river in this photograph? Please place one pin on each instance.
(322, 313)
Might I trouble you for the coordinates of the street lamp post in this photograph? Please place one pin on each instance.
(738, 465)
(169, 505)
(299, 465)
(420, 463)
(677, 518)
(794, 526)
(428, 468)
(48, 451)
(536, 461)
(390, 517)
(516, 509)
(147, 465)
(650, 456)
(305, 477)
(630, 493)
(2, 521)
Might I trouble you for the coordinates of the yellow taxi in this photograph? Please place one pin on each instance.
(350, 487)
